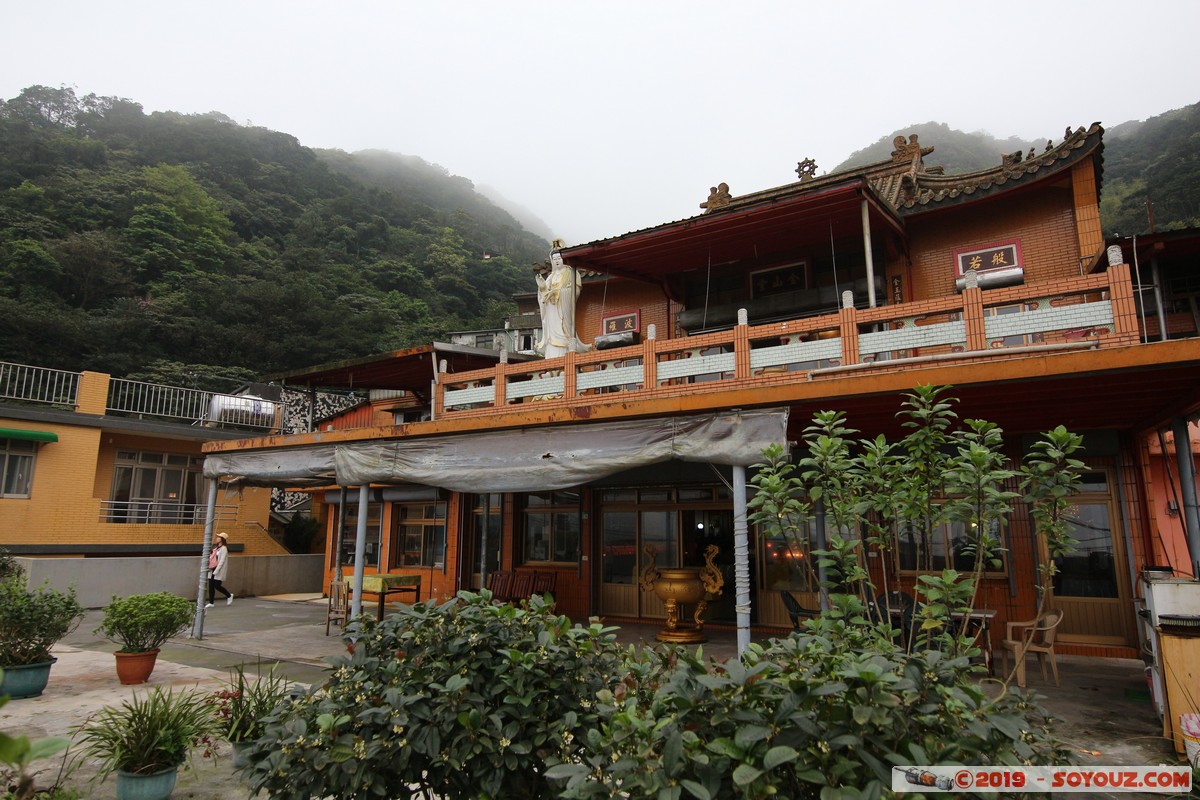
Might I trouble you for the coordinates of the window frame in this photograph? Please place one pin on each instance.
(942, 532)
(13, 454)
(137, 465)
(429, 538)
(558, 511)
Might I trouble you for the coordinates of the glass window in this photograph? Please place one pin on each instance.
(1091, 570)
(350, 533)
(160, 488)
(950, 545)
(420, 535)
(16, 467)
(486, 525)
(551, 527)
(619, 552)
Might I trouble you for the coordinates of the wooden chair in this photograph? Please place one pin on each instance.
(796, 612)
(338, 608)
(522, 586)
(500, 585)
(544, 582)
(1037, 637)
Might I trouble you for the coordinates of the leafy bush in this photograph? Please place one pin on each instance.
(9, 568)
(16, 754)
(825, 714)
(32, 621)
(143, 622)
(464, 699)
(147, 734)
(243, 705)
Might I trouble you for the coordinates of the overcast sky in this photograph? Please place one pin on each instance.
(606, 117)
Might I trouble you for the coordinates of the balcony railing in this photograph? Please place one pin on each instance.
(140, 399)
(1091, 311)
(156, 512)
(38, 384)
(25, 384)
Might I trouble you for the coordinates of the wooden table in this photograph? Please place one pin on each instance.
(979, 620)
(385, 583)
(979, 623)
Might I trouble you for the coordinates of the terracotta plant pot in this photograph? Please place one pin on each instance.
(135, 668)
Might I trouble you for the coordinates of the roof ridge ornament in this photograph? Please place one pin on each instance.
(718, 197)
(806, 170)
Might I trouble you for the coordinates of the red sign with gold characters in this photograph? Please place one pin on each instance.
(621, 323)
(998, 256)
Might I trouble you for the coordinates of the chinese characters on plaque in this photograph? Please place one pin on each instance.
(1004, 256)
(621, 323)
(777, 280)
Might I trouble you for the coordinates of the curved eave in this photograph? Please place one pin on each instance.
(936, 192)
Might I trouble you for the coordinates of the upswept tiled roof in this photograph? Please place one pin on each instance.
(912, 193)
(908, 186)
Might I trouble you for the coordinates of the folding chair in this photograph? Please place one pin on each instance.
(338, 610)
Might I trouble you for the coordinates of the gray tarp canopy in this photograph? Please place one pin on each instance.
(525, 459)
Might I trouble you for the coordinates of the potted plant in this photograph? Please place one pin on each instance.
(242, 705)
(141, 623)
(146, 739)
(31, 622)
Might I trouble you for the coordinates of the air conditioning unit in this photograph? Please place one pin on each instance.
(245, 409)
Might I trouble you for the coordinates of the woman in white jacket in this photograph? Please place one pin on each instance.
(218, 565)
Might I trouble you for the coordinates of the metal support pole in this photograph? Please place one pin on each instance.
(1187, 491)
(866, 230)
(360, 552)
(741, 559)
(821, 543)
(210, 512)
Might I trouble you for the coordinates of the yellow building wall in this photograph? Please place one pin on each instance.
(73, 476)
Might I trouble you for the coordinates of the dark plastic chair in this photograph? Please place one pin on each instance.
(898, 609)
(796, 612)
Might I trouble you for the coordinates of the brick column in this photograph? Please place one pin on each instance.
(92, 396)
(973, 321)
(848, 326)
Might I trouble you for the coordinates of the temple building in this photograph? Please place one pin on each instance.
(683, 349)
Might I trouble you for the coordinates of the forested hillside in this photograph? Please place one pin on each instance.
(193, 250)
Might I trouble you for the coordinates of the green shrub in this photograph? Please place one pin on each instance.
(244, 703)
(144, 622)
(147, 733)
(16, 754)
(821, 714)
(464, 699)
(33, 620)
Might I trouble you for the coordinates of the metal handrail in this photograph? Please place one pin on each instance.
(38, 384)
(161, 512)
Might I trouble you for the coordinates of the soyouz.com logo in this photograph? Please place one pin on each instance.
(1157, 780)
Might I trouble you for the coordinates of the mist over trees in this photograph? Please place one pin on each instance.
(193, 249)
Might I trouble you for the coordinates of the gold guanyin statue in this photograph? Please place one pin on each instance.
(677, 585)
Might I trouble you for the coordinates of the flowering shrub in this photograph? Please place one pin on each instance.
(823, 714)
(243, 704)
(464, 699)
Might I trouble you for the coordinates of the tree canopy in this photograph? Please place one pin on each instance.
(129, 241)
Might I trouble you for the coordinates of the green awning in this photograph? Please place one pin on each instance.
(32, 436)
